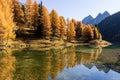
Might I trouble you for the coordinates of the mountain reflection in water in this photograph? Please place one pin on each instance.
(81, 72)
(71, 63)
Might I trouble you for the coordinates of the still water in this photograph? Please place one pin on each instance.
(71, 63)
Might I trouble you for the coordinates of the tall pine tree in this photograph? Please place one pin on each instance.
(71, 31)
(100, 36)
(96, 33)
(45, 23)
(55, 23)
(29, 12)
(62, 28)
(79, 30)
(88, 33)
(18, 13)
(7, 25)
(36, 15)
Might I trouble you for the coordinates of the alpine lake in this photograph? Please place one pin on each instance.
(64, 63)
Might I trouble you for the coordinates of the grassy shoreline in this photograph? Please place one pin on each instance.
(20, 44)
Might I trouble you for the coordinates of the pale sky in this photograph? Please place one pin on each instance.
(78, 9)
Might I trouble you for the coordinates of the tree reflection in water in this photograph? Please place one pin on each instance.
(7, 66)
(41, 65)
(31, 64)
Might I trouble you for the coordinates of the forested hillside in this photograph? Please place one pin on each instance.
(32, 20)
(110, 28)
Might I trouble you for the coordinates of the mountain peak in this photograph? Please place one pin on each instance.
(90, 20)
(106, 12)
(87, 19)
(90, 16)
(100, 14)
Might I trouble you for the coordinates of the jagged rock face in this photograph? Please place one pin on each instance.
(90, 20)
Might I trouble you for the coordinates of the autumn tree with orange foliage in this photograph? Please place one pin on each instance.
(18, 13)
(96, 33)
(71, 31)
(88, 33)
(79, 30)
(55, 23)
(100, 36)
(29, 12)
(19, 17)
(7, 26)
(45, 23)
(36, 14)
(74, 22)
(62, 28)
(35, 19)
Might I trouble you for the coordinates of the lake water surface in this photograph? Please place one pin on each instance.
(71, 63)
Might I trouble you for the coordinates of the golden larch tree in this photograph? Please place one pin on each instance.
(62, 28)
(45, 23)
(100, 36)
(96, 33)
(18, 13)
(36, 14)
(74, 22)
(71, 31)
(55, 23)
(79, 29)
(88, 33)
(29, 12)
(7, 26)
